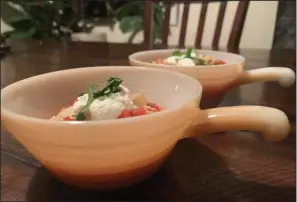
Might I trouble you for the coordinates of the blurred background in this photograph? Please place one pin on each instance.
(267, 23)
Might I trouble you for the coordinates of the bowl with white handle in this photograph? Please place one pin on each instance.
(110, 154)
(216, 79)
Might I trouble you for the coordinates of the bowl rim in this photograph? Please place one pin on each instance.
(14, 115)
(133, 55)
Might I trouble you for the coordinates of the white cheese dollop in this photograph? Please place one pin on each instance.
(194, 54)
(105, 107)
(172, 60)
(181, 60)
(186, 62)
(181, 57)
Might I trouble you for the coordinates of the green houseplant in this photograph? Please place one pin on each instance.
(131, 18)
(129, 14)
(40, 19)
(56, 19)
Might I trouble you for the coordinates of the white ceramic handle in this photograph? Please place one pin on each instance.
(284, 75)
(272, 123)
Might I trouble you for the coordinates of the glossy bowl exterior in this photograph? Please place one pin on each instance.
(107, 154)
(215, 79)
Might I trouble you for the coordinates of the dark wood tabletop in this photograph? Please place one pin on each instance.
(230, 166)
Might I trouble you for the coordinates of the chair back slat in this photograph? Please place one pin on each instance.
(236, 30)
(201, 24)
(218, 29)
(184, 24)
(238, 24)
(148, 24)
(166, 22)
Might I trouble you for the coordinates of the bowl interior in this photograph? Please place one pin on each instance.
(44, 95)
(150, 55)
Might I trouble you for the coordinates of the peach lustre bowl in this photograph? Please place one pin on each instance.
(216, 79)
(110, 154)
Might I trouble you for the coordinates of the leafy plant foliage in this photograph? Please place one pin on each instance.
(39, 19)
(131, 18)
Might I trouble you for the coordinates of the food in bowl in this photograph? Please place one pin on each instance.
(188, 58)
(113, 101)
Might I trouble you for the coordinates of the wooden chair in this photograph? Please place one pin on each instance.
(236, 31)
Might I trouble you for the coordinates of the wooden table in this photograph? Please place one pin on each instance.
(230, 166)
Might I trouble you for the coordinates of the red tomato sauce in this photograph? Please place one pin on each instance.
(150, 108)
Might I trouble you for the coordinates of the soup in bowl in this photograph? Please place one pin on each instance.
(97, 147)
(217, 71)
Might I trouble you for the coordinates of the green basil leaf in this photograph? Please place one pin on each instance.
(114, 81)
(113, 86)
(177, 53)
(90, 98)
(80, 116)
(188, 53)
